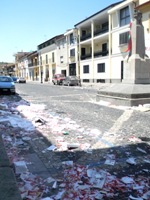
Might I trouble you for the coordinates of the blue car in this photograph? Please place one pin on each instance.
(14, 79)
(7, 85)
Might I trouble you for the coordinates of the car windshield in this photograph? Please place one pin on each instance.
(5, 79)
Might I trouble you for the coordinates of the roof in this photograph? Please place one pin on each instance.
(110, 6)
(33, 53)
(54, 38)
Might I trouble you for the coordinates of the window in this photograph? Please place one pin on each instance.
(71, 39)
(124, 16)
(104, 47)
(101, 67)
(40, 60)
(123, 38)
(86, 69)
(72, 52)
(53, 58)
(61, 59)
(46, 59)
(83, 32)
(105, 26)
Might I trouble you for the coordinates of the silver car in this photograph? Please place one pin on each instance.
(71, 80)
(21, 80)
(7, 85)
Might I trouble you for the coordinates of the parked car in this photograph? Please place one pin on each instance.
(14, 78)
(7, 84)
(72, 80)
(58, 79)
(21, 80)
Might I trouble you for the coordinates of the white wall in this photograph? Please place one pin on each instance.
(115, 68)
(90, 74)
(104, 75)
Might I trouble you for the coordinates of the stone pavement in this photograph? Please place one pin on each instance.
(103, 155)
(8, 185)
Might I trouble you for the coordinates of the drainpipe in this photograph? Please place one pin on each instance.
(110, 47)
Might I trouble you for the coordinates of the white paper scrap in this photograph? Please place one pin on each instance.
(134, 198)
(52, 148)
(20, 167)
(127, 180)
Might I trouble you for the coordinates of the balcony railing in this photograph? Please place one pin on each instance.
(32, 64)
(100, 31)
(85, 37)
(86, 56)
(100, 53)
(72, 59)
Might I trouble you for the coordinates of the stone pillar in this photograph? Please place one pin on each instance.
(137, 67)
(137, 36)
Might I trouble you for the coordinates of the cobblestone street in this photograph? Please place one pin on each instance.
(77, 155)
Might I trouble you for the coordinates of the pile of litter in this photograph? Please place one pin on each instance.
(83, 183)
(79, 182)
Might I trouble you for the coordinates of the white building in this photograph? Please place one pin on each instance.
(61, 56)
(103, 41)
(72, 52)
(47, 58)
(94, 47)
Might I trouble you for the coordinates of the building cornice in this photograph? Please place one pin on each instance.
(144, 7)
(121, 5)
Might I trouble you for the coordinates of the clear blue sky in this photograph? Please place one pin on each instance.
(27, 23)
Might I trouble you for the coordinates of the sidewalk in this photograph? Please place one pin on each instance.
(8, 185)
(95, 86)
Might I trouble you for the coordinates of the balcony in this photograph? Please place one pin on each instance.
(86, 56)
(100, 53)
(32, 64)
(72, 59)
(100, 31)
(85, 37)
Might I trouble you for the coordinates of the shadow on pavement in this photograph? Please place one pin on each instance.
(130, 161)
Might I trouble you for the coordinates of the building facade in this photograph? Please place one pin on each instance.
(47, 58)
(33, 66)
(72, 52)
(96, 49)
(61, 56)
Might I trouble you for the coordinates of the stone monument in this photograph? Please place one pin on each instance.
(137, 67)
(135, 86)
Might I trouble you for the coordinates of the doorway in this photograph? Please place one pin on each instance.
(72, 69)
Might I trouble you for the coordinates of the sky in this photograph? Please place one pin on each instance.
(27, 23)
